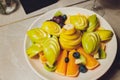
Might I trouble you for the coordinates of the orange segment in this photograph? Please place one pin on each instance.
(42, 57)
(91, 62)
(61, 64)
(72, 68)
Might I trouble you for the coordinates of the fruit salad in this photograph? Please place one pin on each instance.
(69, 44)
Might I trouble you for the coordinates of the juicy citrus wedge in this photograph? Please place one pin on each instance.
(91, 63)
(72, 68)
(42, 57)
(61, 64)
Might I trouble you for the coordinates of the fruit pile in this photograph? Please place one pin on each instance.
(69, 44)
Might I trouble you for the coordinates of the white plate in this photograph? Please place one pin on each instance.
(111, 49)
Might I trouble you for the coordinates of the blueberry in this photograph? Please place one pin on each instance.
(76, 55)
(66, 59)
(64, 17)
(83, 69)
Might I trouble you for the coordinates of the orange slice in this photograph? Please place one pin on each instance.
(72, 68)
(42, 57)
(61, 64)
(91, 63)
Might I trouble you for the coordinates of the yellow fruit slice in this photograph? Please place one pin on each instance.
(72, 68)
(68, 29)
(61, 64)
(79, 21)
(70, 38)
(51, 28)
(91, 63)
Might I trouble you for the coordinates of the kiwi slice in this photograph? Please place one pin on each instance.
(50, 69)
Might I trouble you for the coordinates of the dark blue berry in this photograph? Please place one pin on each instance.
(64, 17)
(83, 68)
(66, 59)
(76, 55)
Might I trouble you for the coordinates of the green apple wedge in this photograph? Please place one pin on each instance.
(79, 21)
(36, 35)
(34, 49)
(90, 42)
(51, 50)
(105, 35)
(51, 28)
(93, 23)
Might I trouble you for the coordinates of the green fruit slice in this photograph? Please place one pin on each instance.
(93, 23)
(51, 50)
(37, 35)
(51, 28)
(34, 50)
(90, 42)
(105, 35)
(58, 13)
(51, 69)
(79, 21)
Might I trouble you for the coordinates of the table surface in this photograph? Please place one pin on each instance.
(13, 65)
(7, 19)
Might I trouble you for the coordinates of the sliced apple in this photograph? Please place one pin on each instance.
(90, 42)
(34, 49)
(79, 21)
(93, 23)
(51, 28)
(51, 50)
(37, 35)
(105, 35)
